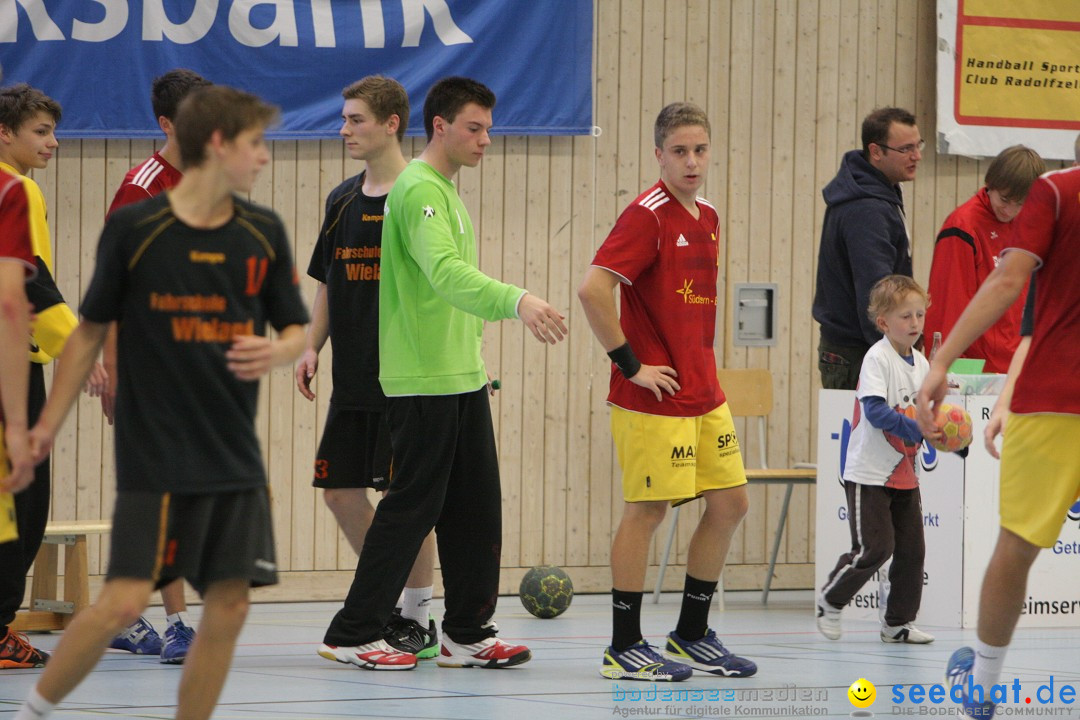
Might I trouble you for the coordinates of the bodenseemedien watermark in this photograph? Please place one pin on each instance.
(680, 702)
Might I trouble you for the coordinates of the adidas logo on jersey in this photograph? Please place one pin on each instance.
(681, 242)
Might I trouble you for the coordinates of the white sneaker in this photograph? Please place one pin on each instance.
(906, 633)
(828, 619)
(488, 653)
(376, 655)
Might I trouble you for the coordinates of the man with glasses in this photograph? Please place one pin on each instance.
(863, 239)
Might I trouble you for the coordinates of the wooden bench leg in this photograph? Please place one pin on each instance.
(76, 578)
(42, 588)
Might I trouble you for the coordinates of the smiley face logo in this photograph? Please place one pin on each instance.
(862, 693)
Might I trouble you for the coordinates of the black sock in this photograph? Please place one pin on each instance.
(694, 617)
(625, 618)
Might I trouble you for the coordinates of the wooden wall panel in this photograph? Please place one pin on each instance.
(786, 84)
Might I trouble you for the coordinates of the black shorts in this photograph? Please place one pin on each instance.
(203, 538)
(354, 451)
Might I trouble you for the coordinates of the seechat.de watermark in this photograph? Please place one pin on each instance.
(1011, 698)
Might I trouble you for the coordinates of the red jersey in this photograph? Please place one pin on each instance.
(966, 252)
(15, 224)
(1049, 228)
(667, 261)
(155, 175)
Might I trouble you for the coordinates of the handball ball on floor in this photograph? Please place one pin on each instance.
(546, 591)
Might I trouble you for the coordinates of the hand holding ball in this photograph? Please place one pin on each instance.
(955, 425)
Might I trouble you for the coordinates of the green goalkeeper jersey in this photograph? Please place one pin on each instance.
(433, 299)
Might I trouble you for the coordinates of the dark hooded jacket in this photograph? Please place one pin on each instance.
(863, 239)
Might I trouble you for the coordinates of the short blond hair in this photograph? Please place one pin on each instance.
(890, 291)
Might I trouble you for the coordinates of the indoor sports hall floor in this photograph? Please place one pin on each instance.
(278, 676)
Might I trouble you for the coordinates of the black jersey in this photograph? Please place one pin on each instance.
(346, 258)
(184, 423)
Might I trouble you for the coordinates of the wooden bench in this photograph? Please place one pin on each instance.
(46, 611)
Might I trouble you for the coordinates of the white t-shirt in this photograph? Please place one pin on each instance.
(874, 456)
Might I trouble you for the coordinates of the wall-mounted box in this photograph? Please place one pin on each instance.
(755, 313)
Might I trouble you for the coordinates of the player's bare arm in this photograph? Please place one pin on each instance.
(252, 356)
(73, 367)
(545, 322)
(14, 327)
(597, 296)
(317, 333)
(999, 416)
(1001, 289)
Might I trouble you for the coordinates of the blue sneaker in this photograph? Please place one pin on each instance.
(640, 661)
(178, 639)
(708, 655)
(140, 638)
(957, 672)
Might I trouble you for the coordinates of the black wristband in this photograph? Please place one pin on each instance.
(625, 360)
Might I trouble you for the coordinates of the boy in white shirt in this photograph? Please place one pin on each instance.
(881, 476)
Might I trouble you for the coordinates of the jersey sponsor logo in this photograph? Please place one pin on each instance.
(429, 212)
(195, 329)
(364, 217)
(692, 298)
(682, 242)
(256, 274)
(727, 444)
(683, 456)
(362, 271)
(357, 253)
(211, 258)
(188, 303)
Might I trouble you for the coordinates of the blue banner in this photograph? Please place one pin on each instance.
(98, 58)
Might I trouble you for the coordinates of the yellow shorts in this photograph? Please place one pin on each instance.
(1040, 475)
(672, 458)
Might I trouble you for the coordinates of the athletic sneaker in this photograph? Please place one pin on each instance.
(488, 653)
(828, 619)
(957, 672)
(410, 636)
(640, 661)
(140, 638)
(375, 655)
(17, 652)
(708, 655)
(178, 639)
(906, 633)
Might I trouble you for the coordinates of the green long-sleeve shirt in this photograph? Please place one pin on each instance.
(433, 299)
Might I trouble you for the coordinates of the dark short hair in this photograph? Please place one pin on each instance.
(214, 108)
(446, 98)
(384, 96)
(171, 88)
(875, 126)
(677, 115)
(1013, 171)
(20, 103)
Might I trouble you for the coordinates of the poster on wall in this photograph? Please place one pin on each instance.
(1008, 72)
(100, 58)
